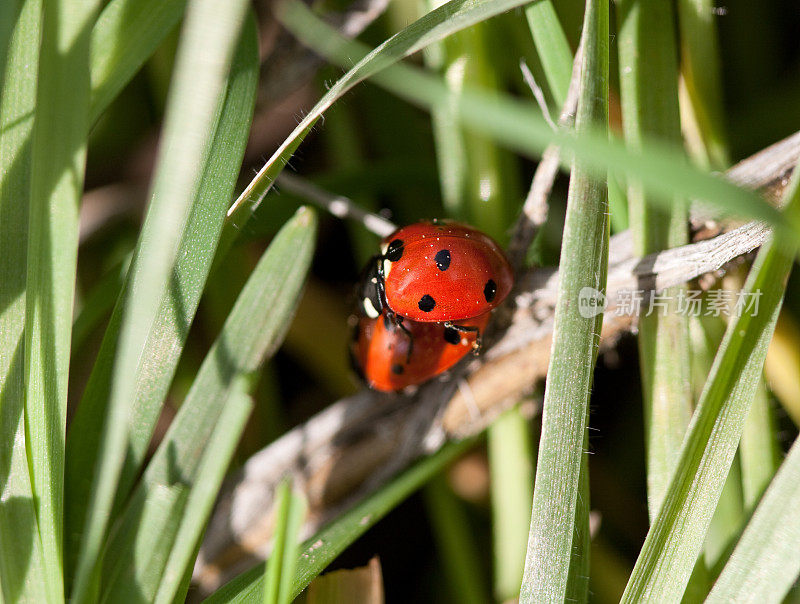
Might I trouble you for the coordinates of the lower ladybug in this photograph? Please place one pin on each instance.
(390, 357)
(440, 271)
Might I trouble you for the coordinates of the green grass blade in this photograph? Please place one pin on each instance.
(510, 454)
(758, 449)
(766, 561)
(289, 509)
(676, 537)
(56, 189)
(552, 47)
(21, 564)
(436, 25)
(210, 474)
(321, 549)
(584, 259)
(253, 331)
(206, 49)
(126, 34)
(649, 98)
(458, 550)
(702, 72)
(519, 126)
(177, 304)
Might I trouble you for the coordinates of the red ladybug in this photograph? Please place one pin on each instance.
(438, 271)
(383, 352)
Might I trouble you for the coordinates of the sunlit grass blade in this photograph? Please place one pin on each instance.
(766, 561)
(519, 126)
(552, 47)
(56, 189)
(584, 260)
(510, 453)
(649, 98)
(436, 25)
(253, 331)
(177, 304)
(21, 565)
(211, 471)
(204, 56)
(676, 537)
(290, 509)
(126, 34)
(321, 549)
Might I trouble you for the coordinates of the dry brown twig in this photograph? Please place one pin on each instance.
(344, 452)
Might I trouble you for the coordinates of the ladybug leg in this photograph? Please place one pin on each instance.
(476, 346)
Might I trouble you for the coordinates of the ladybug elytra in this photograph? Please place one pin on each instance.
(436, 272)
(383, 351)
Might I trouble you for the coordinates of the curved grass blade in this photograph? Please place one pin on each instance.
(210, 474)
(126, 34)
(321, 549)
(766, 561)
(56, 188)
(549, 567)
(676, 537)
(518, 124)
(178, 302)
(21, 565)
(436, 25)
(204, 56)
(252, 332)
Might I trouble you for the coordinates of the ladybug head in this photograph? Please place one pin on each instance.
(369, 289)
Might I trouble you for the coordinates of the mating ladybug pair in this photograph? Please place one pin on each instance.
(425, 299)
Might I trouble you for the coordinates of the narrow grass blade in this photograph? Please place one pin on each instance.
(455, 541)
(21, 564)
(676, 537)
(177, 304)
(766, 561)
(321, 549)
(758, 449)
(510, 453)
(519, 125)
(56, 189)
(552, 47)
(210, 474)
(253, 331)
(126, 34)
(436, 25)
(206, 49)
(584, 260)
(289, 511)
(649, 98)
(702, 73)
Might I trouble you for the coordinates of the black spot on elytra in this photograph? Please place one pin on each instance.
(490, 290)
(442, 259)
(397, 369)
(426, 303)
(451, 336)
(395, 250)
